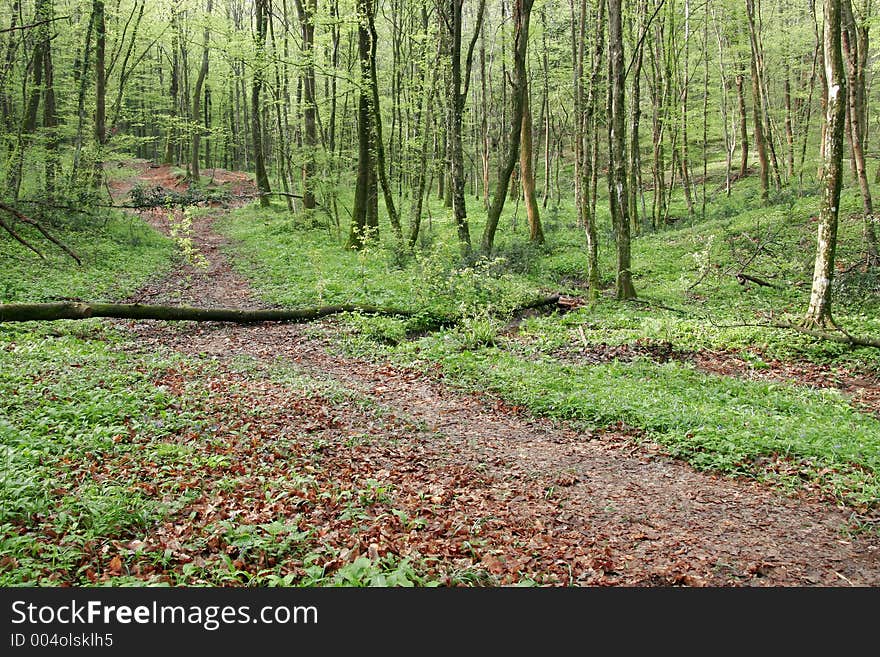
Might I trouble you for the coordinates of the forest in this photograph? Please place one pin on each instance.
(459, 293)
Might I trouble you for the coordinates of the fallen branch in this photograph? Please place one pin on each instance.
(28, 312)
(843, 337)
(742, 278)
(36, 224)
(9, 229)
(33, 25)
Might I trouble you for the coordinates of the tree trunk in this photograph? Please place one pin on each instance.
(306, 10)
(459, 90)
(25, 312)
(584, 134)
(855, 45)
(421, 127)
(45, 312)
(635, 159)
(365, 196)
(261, 9)
(743, 126)
(522, 10)
(760, 141)
(819, 310)
(100, 91)
(197, 97)
(527, 173)
(378, 143)
(617, 178)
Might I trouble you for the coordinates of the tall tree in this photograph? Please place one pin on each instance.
(365, 217)
(855, 49)
(100, 90)
(527, 173)
(819, 311)
(378, 142)
(459, 91)
(522, 11)
(307, 10)
(197, 96)
(617, 178)
(586, 138)
(261, 9)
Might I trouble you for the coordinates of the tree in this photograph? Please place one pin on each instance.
(617, 177)
(527, 173)
(855, 49)
(365, 217)
(459, 91)
(819, 310)
(522, 11)
(100, 90)
(261, 10)
(306, 10)
(197, 96)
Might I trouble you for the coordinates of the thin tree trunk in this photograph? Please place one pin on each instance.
(197, 97)
(306, 10)
(261, 8)
(378, 142)
(527, 172)
(100, 92)
(522, 10)
(743, 126)
(363, 221)
(855, 45)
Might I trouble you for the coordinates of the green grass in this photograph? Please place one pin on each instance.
(119, 252)
(71, 405)
(104, 447)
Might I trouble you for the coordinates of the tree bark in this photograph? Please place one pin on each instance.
(27, 312)
(522, 10)
(743, 126)
(306, 10)
(855, 46)
(100, 91)
(363, 220)
(527, 173)
(197, 98)
(460, 81)
(617, 178)
(819, 310)
(24, 312)
(261, 9)
(378, 141)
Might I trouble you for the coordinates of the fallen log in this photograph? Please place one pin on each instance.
(743, 278)
(29, 312)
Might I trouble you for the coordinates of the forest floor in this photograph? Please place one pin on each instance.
(388, 463)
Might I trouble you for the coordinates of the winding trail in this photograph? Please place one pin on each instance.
(526, 494)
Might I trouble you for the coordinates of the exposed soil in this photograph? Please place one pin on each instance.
(499, 492)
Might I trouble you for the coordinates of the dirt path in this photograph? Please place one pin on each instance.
(503, 493)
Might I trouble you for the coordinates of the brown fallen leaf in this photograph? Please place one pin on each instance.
(115, 565)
